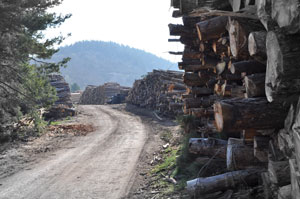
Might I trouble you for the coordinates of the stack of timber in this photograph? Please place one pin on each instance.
(63, 106)
(241, 63)
(103, 94)
(62, 89)
(159, 90)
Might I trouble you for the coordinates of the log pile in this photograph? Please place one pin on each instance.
(241, 68)
(103, 94)
(62, 89)
(159, 90)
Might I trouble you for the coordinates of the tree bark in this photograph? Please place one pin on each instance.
(282, 75)
(239, 30)
(251, 113)
(201, 91)
(208, 147)
(236, 5)
(199, 102)
(285, 192)
(240, 155)
(264, 10)
(257, 46)
(224, 181)
(202, 112)
(255, 85)
(213, 28)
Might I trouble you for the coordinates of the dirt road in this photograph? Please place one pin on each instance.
(99, 165)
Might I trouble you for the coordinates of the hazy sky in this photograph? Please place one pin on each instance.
(141, 24)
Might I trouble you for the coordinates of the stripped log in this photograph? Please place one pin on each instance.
(286, 14)
(239, 30)
(251, 113)
(213, 28)
(282, 76)
(208, 147)
(255, 85)
(257, 46)
(248, 67)
(224, 181)
(240, 155)
(279, 172)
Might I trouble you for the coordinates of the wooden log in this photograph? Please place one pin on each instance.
(190, 22)
(257, 46)
(240, 155)
(201, 91)
(180, 30)
(192, 79)
(255, 85)
(279, 172)
(199, 102)
(286, 14)
(251, 113)
(239, 30)
(261, 147)
(202, 112)
(208, 147)
(295, 179)
(248, 67)
(213, 28)
(285, 192)
(286, 143)
(224, 181)
(282, 75)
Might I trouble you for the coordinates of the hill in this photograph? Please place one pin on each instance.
(97, 62)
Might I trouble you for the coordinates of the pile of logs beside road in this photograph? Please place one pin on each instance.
(159, 90)
(97, 95)
(241, 63)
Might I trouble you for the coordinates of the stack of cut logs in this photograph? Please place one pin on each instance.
(62, 89)
(242, 68)
(159, 90)
(102, 94)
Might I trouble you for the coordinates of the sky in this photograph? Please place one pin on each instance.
(141, 24)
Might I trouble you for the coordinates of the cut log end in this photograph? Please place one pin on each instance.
(252, 45)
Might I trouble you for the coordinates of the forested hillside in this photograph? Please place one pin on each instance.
(97, 62)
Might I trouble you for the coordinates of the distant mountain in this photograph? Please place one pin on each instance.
(97, 62)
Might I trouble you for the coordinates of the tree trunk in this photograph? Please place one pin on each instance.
(248, 67)
(286, 14)
(239, 30)
(257, 46)
(279, 172)
(208, 147)
(192, 79)
(213, 28)
(282, 76)
(240, 155)
(251, 113)
(224, 181)
(255, 85)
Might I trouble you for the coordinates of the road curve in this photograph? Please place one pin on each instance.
(99, 165)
